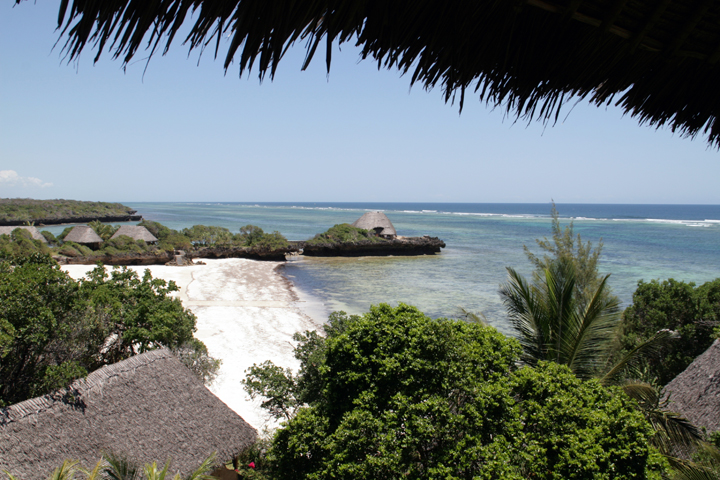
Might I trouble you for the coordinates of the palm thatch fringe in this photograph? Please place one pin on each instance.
(658, 60)
(149, 407)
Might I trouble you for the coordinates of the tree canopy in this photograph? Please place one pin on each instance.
(395, 394)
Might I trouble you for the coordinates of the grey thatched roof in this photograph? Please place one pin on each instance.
(33, 231)
(136, 232)
(695, 393)
(373, 220)
(83, 234)
(149, 407)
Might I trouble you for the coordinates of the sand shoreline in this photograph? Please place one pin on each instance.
(247, 312)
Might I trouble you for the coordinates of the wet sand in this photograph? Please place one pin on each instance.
(246, 312)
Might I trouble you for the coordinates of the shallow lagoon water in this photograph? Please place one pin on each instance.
(640, 242)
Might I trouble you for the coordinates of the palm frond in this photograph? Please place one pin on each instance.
(647, 348)
(529, 58)
(202, 472)
(120, 468)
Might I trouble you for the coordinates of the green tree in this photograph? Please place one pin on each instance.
(691, 312)
(54, 329)
(395, 394)
(565, 245)
(205, 236)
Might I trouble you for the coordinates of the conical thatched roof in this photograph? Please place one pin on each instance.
(83, 234)
(695, 393)
(136, 232)
(658, 60)
(33, 232)
(377, 221)
(148, 407)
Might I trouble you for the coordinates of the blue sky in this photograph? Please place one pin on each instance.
(189, 132)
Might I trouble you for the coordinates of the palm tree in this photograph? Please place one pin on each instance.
(552, 324)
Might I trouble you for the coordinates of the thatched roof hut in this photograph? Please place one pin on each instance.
(695, 393)
(84, 235)
(136, 232)
(378, 222)
(658, 60)
(36, 235)
(148, 407)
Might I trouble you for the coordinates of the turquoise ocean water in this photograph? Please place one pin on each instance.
(640, 242)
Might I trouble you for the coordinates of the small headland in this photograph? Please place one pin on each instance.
(373, 234)
(400, 246)
(26, 211)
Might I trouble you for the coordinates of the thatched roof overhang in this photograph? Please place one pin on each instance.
(658, 59)
(695, 393)
(36, 235)
(149, 407)
(136, 232)
(83, 234)
(376, 220)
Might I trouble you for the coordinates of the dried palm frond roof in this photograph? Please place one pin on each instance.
(695, 393)
(33, 232)
(658, 59)
(136, 232)
(83, 234)
(375, 220)
(149, 407)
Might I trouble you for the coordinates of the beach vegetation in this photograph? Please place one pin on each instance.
(344, 233)
(20, 243)
(205, 236)
(691, 312)
(104, 230)
(254, 237)
(54, 329)
(394, 393)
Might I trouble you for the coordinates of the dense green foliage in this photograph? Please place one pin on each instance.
(252, 236)
(395, 394)
(20, 243)
(28, 210)
(344, 233)
(692, 312)
(54, 329)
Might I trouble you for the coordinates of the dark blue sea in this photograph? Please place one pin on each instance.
(639, 242)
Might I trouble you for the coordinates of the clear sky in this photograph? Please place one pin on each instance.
(189, 132)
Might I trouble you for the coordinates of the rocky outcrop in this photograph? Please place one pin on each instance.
(399, 247)
(277, 254)
(162, 258)
(154, 258)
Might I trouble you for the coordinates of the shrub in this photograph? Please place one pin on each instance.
(344, 233)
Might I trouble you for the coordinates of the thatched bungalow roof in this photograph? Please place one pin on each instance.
(83, 234)
(136, 232)
(695, 393)
(377, 221)
(148, 407)
(658, 59)
(36, 235)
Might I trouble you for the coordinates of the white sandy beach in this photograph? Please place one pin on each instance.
(246, 313)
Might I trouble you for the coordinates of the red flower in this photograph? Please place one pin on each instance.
(251, 464)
